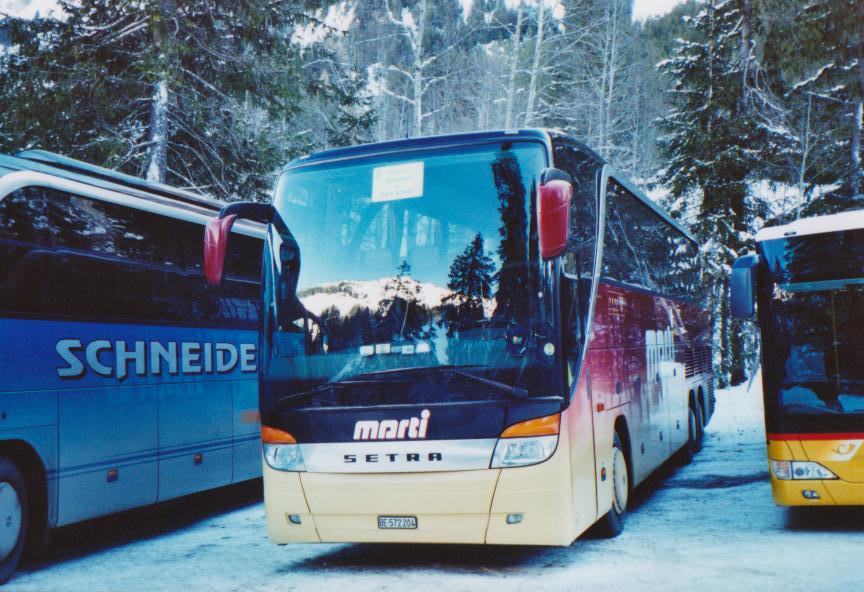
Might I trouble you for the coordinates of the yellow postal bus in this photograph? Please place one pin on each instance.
(808, 280)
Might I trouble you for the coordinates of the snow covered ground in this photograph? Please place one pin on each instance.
(709, 526)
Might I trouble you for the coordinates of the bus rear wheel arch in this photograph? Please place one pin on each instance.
(14, 517)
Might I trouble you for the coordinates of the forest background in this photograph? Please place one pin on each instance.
(733, 114)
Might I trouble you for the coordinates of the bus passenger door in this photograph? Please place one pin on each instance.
(575, 289)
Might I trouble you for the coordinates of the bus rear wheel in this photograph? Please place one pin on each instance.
(14, 513)
(612, 524)
(700, 428)
(688, 451)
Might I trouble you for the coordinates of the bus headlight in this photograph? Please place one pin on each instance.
(784, 470)
(527, 442)
(281, 450)
(518, 452)
(284, 457)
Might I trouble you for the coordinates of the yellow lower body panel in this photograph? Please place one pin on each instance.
(831, 493)
(791, 493)
(450, 507)
(844, 458)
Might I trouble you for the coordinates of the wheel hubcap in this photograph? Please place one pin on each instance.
(619, 480)
(10, 519)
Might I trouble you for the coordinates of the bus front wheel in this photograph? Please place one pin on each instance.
(612, 524)
(13, 517)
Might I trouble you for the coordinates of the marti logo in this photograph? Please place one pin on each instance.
(413, 428)
(122, 358)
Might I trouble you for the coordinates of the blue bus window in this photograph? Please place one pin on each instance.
(25, 257)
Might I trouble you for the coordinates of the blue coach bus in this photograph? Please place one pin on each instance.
(125, 379)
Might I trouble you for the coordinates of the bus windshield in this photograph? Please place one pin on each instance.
(817, 329)
(419, 279)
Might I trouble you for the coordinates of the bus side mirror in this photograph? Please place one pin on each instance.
(218, 229)
(742, 287)
(553, 212)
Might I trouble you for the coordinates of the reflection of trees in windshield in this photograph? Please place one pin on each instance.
(401, 316)
(470, 284)
(514, 283)
(811, 258)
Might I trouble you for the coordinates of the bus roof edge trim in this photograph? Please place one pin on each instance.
(20, 179)
(817, 225)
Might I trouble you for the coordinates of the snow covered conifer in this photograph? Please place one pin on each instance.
(195, 93)
(713, 143)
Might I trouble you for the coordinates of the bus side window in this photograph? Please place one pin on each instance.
(643, 249)
(26, 279)
(85, 272)
(236, 301)
(151, 286)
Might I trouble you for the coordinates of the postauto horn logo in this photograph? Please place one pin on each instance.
(413, 428)
(140, 358)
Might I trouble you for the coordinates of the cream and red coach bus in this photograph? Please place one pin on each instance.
(480, 338)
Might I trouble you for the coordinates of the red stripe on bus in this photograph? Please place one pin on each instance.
(795, 437)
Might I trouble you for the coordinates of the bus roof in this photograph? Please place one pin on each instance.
(816, 225)
(541, 135)
(62, 166)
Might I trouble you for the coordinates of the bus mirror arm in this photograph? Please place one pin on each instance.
(218, 229)
(742, 287)
(553, 212)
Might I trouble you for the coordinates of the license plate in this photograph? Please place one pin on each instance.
(397, 521)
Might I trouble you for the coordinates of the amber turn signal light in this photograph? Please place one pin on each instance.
(549, 425)
(275, 436)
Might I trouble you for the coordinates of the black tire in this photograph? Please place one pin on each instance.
(612, 524)
(14, 516)
(700, 428)
(688, 451)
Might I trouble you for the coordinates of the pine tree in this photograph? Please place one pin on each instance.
(470, 284)
(829, 39)
(202, 94)
(712, 144)
(401, 315)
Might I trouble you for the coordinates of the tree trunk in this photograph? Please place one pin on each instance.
(535, 68)
(514, 65)
(418, 70)
(724, 334)
(857, 123)
(157, 154)
(858, 110)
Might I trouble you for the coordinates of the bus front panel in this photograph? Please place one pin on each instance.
(812, 330)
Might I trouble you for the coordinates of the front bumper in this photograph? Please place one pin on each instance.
(833, 492)
(451, 507)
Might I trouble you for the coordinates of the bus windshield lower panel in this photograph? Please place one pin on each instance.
(815, 334)
(420, 282)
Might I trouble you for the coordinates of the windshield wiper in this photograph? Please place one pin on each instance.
(514, 391)
(327, 386)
